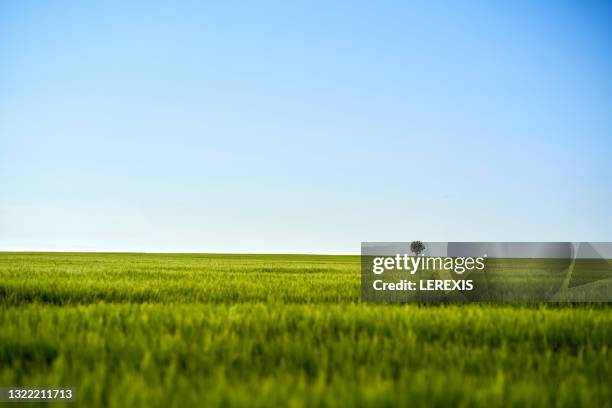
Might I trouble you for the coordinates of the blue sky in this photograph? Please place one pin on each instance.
(303, 126)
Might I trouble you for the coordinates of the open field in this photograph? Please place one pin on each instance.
(281, 330)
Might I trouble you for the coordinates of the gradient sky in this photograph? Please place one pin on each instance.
(303, 126)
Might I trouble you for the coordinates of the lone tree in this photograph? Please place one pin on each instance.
(417, 247)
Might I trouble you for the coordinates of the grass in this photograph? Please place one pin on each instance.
(279, 330)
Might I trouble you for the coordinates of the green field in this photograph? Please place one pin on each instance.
(279, 330)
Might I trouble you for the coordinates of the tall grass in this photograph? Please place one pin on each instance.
(236, 330)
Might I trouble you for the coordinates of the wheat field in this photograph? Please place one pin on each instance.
(281, 330)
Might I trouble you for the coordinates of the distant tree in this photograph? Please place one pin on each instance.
(417, 247)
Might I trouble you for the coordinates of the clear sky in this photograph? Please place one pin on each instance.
(303, 126)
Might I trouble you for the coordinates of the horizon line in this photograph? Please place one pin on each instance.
(73, 251)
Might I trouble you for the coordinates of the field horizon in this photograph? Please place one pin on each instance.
(288, 330)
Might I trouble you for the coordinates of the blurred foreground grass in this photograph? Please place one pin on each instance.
(279, 330)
